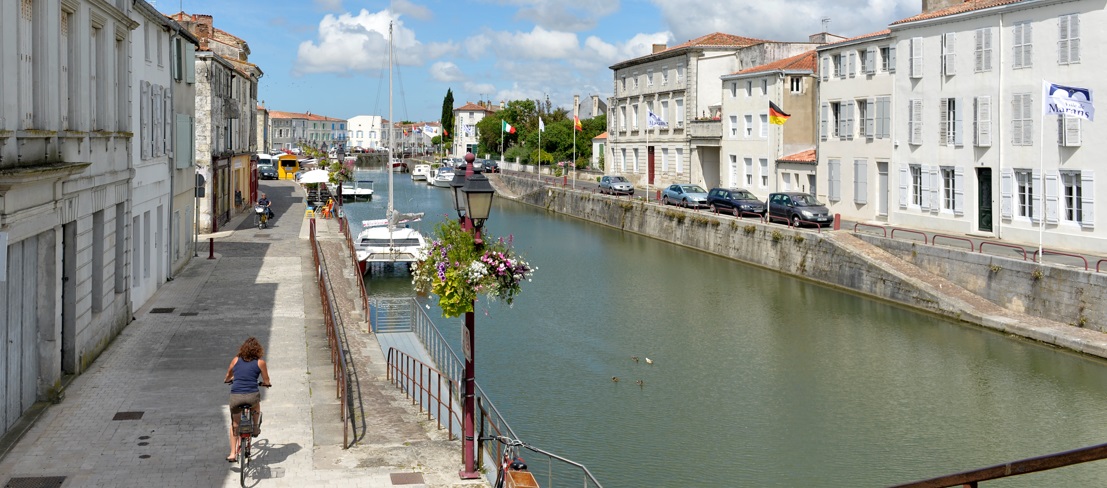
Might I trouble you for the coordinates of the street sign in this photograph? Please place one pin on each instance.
(468, 351)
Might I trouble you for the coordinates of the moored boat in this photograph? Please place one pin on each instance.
(420, 172)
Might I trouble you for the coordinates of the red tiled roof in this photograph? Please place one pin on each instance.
(805, 61)
(601, 136)
(807, 156)
(472, 107)
(862, 36)
(277, 114)
(718, 39)
(968, 6)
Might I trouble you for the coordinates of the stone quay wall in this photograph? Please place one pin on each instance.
(991, 291)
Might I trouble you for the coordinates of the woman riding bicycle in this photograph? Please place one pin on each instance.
(243, 374)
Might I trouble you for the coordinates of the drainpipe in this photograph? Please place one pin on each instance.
(998, 135)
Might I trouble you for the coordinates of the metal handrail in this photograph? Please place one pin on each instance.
(857, 226)
(360, 282)
(451, 366)
(972, 246)
(401, 369)
(330, 319)
(1015, 468)
(1043, 252)
(1097, 263)
(925, 239)
(1003, 244)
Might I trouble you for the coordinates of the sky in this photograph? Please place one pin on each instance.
(330, 57)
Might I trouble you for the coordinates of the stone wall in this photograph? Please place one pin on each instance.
(840, 260)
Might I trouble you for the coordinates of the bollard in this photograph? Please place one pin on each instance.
(211, 248)
(837, 221)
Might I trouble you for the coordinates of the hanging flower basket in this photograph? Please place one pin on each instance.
(340, 171)
(452, 268)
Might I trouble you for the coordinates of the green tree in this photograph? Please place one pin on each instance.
(447, 120)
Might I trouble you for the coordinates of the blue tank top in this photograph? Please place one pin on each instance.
(246, 375)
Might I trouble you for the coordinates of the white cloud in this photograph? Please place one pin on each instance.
(446, 71)
(348, 43)
(539, 43)
(781, 20)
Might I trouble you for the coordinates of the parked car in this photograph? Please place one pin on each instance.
(685, 195)
(491, 166)
(798, 208)
(615, 185)
(734, 200)
(267, 172)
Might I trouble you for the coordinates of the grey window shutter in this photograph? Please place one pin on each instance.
(1028, 36)
(823, 121)
(949, 41)
(1074, 39)
(1087, 200)
(978, 50)
(916, 122)
(958, 191)
(925, 189)
(892, 56)
(852, 64)
(1007, 193)
(943, 121)
(834, 174)
(1063, 39)
(958, 132)
(916, 57)
(983, 121)
(1028, 114)
(1037, 202)
(825, 68)
(849, 120)
(904, 184)
(1052, 187)
(870, 117)
(935, 188)
(1071, 131)
(988, 49)
(190, 63)
(870, 60)
(861, 181)
(144, 118)
(1016, 120)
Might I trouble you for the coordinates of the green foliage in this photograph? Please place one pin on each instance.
(447, 119)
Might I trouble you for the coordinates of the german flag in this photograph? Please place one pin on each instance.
(776, 115)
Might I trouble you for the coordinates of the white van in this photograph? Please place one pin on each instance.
(267, 160)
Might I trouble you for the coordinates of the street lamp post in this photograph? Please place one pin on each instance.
(473, 202)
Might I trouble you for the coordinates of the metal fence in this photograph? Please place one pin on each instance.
(422, 383)
(336, 336)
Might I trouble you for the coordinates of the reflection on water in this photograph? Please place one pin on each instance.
(757, 379)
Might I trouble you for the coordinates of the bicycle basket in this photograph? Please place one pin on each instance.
(245, 427)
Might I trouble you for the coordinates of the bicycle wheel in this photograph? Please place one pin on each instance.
(243, 449)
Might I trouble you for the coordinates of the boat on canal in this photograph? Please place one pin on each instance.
(391, 239)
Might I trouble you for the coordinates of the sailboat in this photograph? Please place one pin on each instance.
(391, 239)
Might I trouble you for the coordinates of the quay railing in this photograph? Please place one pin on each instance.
(407, 315)
(363, 293)
(426, 386)
(973, 478)
(332, 320)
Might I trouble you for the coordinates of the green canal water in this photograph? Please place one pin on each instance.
(758, 379)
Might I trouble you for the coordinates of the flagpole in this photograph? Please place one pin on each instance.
(574, 145)
(1041, 175)
(645, 169)
(539, 165)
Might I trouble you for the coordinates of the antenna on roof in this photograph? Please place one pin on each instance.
(826, 24)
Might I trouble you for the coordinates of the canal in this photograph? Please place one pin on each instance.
(757, 379)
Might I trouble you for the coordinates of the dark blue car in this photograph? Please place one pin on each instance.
(736, 201)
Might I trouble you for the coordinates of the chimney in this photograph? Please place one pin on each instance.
(661, 47)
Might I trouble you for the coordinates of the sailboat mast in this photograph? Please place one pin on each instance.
(391, 128)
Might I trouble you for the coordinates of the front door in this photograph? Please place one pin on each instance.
(882, 190)
(649, 163)
(984, 199)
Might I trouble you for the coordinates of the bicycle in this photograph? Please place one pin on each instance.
(246, 432)
(512, 470)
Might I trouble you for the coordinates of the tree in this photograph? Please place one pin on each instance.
(447, 118)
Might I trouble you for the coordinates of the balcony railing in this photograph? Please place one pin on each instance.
(705, 131)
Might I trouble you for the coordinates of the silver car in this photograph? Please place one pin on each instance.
(685, 195)
(616, 185)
